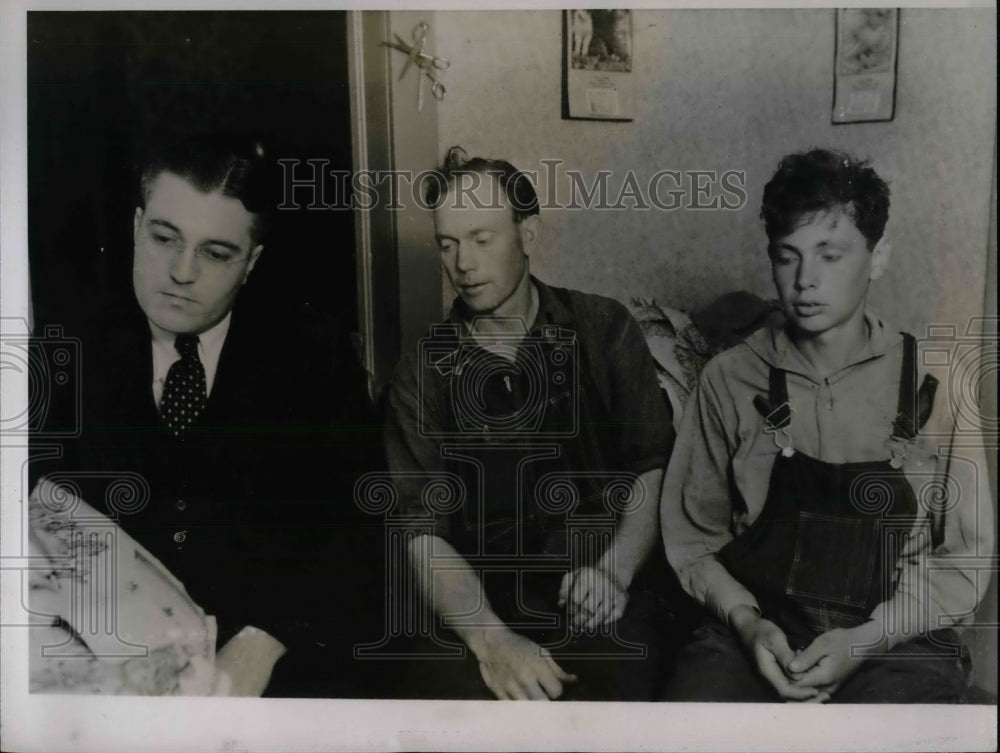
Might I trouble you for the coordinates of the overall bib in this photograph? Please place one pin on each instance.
(822, 554)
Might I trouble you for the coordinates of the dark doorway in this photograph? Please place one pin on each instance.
(100, 84)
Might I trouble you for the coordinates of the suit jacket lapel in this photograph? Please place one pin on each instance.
(129, 370)
(231, 372)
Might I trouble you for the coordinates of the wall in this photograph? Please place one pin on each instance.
(735, 89)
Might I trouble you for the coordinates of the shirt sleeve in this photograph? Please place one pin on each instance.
(413, 416)
(696, 510)
(944, 565)
(638, 407)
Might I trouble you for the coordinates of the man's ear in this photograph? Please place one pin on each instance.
(880, 258)
(529, 230)
(136, 221)
(254, 255)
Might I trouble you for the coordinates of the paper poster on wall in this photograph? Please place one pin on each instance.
(598, 64)
(865, 64)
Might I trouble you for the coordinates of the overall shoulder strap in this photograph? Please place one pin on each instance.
(915, 405)
(775, 410)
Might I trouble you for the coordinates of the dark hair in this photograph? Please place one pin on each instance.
(232, 166)
(516, 185)
(822, 179)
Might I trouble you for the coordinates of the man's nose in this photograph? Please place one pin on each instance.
(805, 276)
(184, 268)
(465, 260)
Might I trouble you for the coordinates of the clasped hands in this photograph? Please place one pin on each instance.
(593, 598)
(816, 672)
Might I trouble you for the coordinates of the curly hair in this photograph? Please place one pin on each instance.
(822, 179)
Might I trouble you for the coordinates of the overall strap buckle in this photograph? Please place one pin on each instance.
(776, 421)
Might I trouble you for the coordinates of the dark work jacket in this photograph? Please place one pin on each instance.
(253, 510)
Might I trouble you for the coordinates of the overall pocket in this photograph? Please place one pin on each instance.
(833, 559)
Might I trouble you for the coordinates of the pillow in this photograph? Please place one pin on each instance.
(681, 345)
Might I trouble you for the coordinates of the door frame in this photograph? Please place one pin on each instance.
(370, 84)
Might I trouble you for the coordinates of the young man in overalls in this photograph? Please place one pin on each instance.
(808, 504)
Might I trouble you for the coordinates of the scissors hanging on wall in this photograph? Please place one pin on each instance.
(426, 64)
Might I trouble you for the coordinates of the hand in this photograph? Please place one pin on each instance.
(515, 668)
(244, 665)
(828, 661)
(768, 646)
(593, 597)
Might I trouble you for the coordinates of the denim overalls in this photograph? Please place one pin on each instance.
(823, 552)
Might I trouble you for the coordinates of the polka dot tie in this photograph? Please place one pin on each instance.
(184, 393)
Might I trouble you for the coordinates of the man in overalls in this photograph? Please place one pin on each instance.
(526, 440)
(809, 505)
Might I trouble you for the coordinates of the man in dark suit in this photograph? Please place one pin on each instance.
(246, 429)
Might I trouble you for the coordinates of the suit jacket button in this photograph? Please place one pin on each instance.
(180, 536)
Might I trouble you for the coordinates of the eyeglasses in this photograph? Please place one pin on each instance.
(212, 255)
